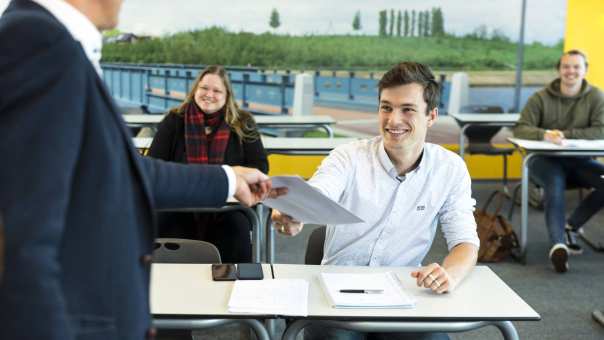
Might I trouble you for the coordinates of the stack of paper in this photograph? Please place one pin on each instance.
(384, 290)
(272, 297)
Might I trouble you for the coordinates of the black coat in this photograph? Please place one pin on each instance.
(169, 144)
(76, 197)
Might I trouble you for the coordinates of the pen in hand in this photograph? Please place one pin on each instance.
(362, 291)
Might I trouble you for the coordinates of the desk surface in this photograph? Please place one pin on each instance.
(260, 120)
(276, 145)
(482, 296)
(188, 290)
(473, 118)
(318, 145)
(577, 146)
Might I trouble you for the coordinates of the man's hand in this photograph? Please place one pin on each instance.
(253, 186)
(285, 224)
(554, 136)
(435, 277)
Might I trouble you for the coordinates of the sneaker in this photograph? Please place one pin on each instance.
(570, 237)
(559, 257)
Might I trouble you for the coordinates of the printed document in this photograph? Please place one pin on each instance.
(270, 297)
(306, 204)
(391, 293)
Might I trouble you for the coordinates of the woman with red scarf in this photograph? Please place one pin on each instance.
(209, 128)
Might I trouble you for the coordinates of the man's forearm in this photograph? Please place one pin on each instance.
(460, 261)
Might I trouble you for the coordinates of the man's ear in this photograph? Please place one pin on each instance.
(432, 115)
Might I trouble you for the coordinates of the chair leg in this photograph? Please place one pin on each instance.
(505, 175)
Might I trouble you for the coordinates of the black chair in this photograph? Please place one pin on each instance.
(479, 138)
(314, 247)
(176, 250)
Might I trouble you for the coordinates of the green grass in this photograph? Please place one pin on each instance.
(217, 46)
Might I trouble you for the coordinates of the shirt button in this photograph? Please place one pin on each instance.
(151, 333)
(146, 259)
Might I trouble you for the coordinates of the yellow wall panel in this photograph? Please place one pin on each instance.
(480, 167)
(584, 31)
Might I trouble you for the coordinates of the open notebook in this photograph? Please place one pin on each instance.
(387, 291)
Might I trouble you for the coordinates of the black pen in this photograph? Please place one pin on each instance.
(362, 291)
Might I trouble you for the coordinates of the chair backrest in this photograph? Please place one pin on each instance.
(177, 250)
(477, 134)
(314, 248)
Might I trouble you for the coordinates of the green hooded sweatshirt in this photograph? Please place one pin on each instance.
(578, 117)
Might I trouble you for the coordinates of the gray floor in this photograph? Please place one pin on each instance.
(565, 301)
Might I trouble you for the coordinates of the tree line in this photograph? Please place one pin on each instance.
(414, 23)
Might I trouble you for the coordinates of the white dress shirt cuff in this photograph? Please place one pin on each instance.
(232, 180)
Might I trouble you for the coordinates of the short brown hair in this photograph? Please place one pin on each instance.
(572, 52)
(409, 72)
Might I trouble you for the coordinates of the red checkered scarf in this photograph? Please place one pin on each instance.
(202, 148)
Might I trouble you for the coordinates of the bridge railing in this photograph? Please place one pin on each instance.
(162, 86)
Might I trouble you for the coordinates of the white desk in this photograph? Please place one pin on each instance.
(465, 120)
(183, 296)
(531, 149)
(279, 121)
(482, 299)
(303, 146)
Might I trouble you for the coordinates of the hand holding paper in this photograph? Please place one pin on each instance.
(306, 204)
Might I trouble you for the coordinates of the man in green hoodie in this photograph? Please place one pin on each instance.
(568, 108)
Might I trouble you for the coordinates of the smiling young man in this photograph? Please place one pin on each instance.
(402, 187)
(568, 108)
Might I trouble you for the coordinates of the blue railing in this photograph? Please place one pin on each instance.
(160, 87)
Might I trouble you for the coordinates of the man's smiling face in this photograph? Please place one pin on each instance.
(403, 117)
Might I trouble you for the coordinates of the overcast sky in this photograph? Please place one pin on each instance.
(545, 18)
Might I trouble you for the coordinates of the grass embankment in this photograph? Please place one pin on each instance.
(217, 46)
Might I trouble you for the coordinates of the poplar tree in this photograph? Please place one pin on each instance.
(274, 21)
(356, 22)
(383, 20)
(406, 20)
(399, 18)
(413, 23)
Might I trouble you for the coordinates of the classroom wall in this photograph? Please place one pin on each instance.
(584, 31)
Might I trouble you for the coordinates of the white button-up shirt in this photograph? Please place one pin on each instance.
(400, 213)
(80, 27)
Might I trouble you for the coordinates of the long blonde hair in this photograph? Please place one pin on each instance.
(240, 121)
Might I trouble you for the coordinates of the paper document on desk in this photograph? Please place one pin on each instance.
(566, 144)
(391, 293)
(306, 204)
(270, 297)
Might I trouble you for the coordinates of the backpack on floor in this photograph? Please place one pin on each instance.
(497, 237)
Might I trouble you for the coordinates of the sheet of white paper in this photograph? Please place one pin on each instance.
(306, 204)
(392, 295)
(568, 144)
(273, 297)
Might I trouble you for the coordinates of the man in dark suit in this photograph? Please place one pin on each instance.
(77, 198)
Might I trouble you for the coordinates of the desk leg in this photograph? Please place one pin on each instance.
(524, 206)
(255, 325)
(505, 327)
(329, 130)
(254, 218)
(462, 140)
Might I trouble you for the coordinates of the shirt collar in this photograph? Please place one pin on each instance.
(80, 27)
(389, 166)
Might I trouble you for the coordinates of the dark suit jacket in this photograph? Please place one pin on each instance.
(169, 145)
(77, 198)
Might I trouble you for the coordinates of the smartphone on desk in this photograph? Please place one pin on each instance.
(224, 272)
(249, 271)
